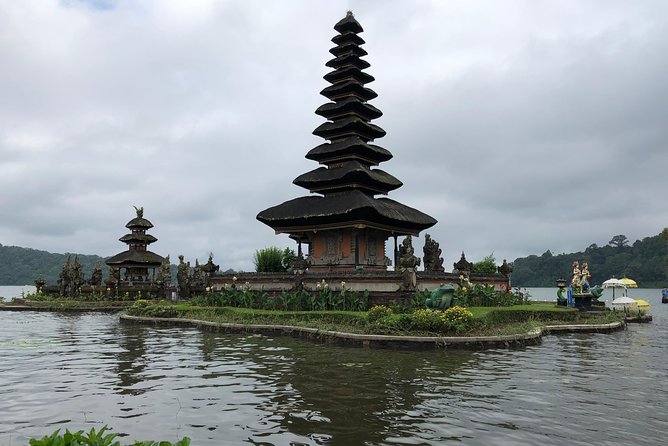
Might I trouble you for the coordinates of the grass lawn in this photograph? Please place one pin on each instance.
(485, 321)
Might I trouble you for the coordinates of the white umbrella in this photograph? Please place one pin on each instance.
(613, 283)
(624, 303)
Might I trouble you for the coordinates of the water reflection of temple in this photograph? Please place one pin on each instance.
(131, 358)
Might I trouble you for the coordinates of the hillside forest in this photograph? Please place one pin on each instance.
(645, 261)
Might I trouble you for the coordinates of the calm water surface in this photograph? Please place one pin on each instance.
(83, 371)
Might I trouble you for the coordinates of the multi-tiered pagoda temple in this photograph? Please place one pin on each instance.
(137, 264)
(345, 225)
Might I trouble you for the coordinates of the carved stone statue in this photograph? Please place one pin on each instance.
(183, 278)
(432, 255)
(198, 279)
(113, 277)
(140, 211)
(64, 278)
(577, 275)
(407, 259)
(39, 284)
(441, 298)
(164, 276)
(96, 275)
(77, 276)
(506, 268)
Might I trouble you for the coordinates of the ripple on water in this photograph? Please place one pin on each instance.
(159, 382)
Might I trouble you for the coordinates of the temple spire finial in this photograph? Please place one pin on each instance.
(349, 13)
(140, 211)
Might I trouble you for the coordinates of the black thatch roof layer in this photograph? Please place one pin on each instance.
(342, 39)
(348, 24)
(350, 175)
(349, 126)
(139, 223)
(348, 73)
(347, 182)
(353, 147)
(350, 207)
(134, 257)
(146, 239)
(348, 107)
(348, 48)
(348, 60)
(346, 89)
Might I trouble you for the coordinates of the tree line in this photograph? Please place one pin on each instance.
(21, 266)
(645, 261)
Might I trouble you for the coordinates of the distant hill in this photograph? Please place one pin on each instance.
(646, 262)
(21, 266)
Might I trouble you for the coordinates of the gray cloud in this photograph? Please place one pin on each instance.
(520, 127)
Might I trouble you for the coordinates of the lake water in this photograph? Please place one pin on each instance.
(88, 370)
(10, 291)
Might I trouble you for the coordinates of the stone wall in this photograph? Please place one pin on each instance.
(387, 287)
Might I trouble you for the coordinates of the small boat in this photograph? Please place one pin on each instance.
(664, 296)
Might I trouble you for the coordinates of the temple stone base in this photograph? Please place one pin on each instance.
(384, 288)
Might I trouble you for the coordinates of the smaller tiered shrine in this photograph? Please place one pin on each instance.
(137, 264)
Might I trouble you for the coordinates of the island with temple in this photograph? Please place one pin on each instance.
(344, 281)
(342, 227)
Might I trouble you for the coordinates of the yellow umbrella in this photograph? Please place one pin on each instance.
(628, 283)
(643, 305)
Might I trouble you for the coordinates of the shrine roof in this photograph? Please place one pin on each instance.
(133, 257)
(139, 223)
(348, 107)
(142, 238)
(342, 39)
(348, 24)
(349, 126)
(344, 208)
(349, 174)
(352, 147)
(348, 73)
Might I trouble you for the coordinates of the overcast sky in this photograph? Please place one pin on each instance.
(521, 126)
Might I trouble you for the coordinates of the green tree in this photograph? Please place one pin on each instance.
(288, 258)
(646, 262)
(273, 259)
(619, 241)
(485, 266)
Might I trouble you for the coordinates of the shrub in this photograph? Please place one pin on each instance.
(427, 320)
(457, 319)
(457, 314)
(143, 308)
(378, 312)
(419, 299)
(485, 266)
(390, 324)
(92, 438)
(272, 259)
(484, 295)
